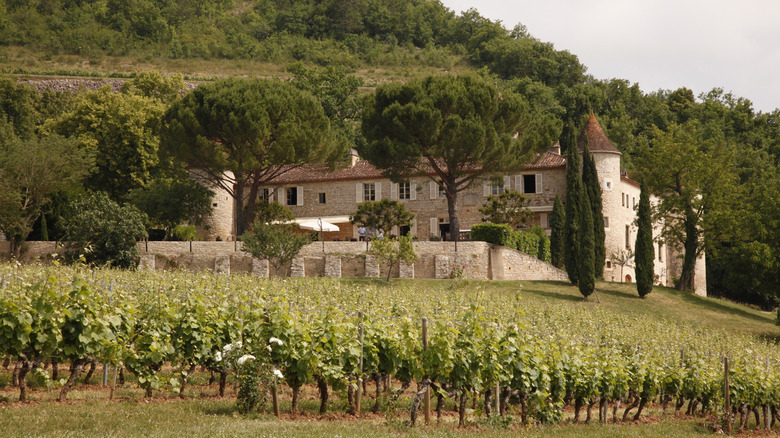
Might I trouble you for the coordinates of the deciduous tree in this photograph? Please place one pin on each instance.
(506, 208)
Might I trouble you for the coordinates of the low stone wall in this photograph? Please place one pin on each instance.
(479, 260)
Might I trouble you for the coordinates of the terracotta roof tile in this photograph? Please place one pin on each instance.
(363, 170)
(597, 140)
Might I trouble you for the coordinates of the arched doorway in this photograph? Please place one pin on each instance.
(628, 278)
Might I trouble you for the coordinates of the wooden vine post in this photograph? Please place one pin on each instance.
(727, 396)
(427, 399)
(767, 412)
(360, 375)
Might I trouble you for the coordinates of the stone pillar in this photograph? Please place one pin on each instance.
(405, 270)
(333, 266)
(372, 266)
(260, 268)
(222, 265)
(297, 268)
(442, 266)
(146, 263)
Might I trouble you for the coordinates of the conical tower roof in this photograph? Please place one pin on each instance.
(597, 140)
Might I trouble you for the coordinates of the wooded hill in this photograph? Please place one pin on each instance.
(713, 145)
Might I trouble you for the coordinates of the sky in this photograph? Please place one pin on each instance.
(659, 44)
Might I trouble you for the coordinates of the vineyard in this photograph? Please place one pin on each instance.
(483, 354)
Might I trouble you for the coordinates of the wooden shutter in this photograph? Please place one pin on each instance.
(393, 191)
(413, 228)
(539, 183)
(378, 192)
(434, 190)
(486, 189)
(413, 189)
(358, 193)
(519, 183)
(434, 226)
(507, 182)
(299, 191)
(543, 220)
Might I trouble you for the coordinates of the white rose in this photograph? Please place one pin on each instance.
(275, 341)
(245, 358)
(278, 374)
(218, 356)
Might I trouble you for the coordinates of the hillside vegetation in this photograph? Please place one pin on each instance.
(724, 151)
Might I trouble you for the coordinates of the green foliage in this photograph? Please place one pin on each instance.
(31, 172)
(104, 232)
(591, 184)
(154, 85)
(18, 107)
(239, 133)
(644, 249)
(572, 228)
(533, 242)
(275, 240)
(557, 221)
(506, 208)
(586, 276)
(121, 132)
(459, 127)
(170, 203)
(392, 251)
(382, 215)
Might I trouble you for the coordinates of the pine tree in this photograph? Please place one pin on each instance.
(574, 194)
(590, 183)
(557, 222)
(644, 252)
(587, 273)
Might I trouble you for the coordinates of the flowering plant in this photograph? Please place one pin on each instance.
(458, 272)
(255, 373)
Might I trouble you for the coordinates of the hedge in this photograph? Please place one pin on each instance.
(533, 242)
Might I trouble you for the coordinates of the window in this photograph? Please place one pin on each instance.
(265, 195)
(369, 192)
(606, 222)
(496, 189)
(529, 184)
(405, 190)
(622, 199)
(292, 196)
(660, 252)
(442, 194)
(609, 264)
(628, 237)
(633, 202)
(322, 198)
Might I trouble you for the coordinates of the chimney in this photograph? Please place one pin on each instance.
(556, 148)
(353, 157)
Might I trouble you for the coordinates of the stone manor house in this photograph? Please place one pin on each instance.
(314, 191)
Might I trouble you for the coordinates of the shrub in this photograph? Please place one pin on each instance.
(499, 234)
(105, 232)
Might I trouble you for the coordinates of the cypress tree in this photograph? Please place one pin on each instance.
(587, 273)
(590, 183)
(571, 226)
(557, 221)
(644, 252)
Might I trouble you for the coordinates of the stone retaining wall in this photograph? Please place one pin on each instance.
(479, 260)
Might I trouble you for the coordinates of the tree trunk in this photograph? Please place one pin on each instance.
(418, 397)
(462, 411)
(691, 246)
(55, 370)
(488, 402)
(322, 385)
(577, 409)
(591, 402)
(15, 375)
(91, 371)
(296, 390)
(185, 379)
(238, 189)
(378, 382)
(75, 371)
(351, 397)
(615, 408)
(642, 402)
(630, 407)
(222, 383)
(452, 209)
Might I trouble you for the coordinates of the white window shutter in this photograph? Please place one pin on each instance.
(507, 182)
(539, 183)
(413, 228)
(393, 191)
(394, 230)
(519, 183)
(434, 190)
(413, 189)
(378, 191)
(271, 193)
(358, 193)
(486, 189)
(283, 195)
(434, 226)
(300, 195)
(543, 220)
